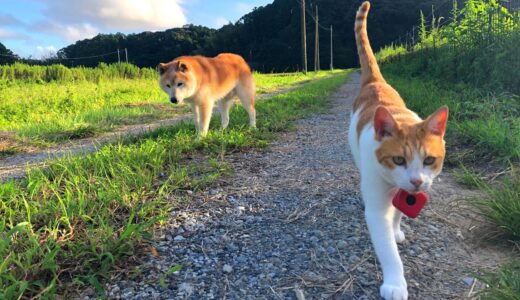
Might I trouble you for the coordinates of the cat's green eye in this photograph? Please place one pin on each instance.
(429, 160)
(399, 160)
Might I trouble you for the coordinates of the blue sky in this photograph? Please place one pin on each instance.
(38, 28)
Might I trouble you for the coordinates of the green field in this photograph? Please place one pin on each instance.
(66, 226)
(41, 106)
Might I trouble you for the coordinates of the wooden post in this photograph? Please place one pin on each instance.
(318, 34)
(331, 53)
(316, 43)
(118, 56)
(126, 55)
(304, 38)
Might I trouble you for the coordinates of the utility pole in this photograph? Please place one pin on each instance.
(118, 57)
(317, 44)
(331, 53)
(304, 39)
(126, 55)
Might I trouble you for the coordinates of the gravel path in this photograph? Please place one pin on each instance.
(288, 224)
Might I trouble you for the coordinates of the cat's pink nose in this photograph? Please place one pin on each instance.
(416, 182)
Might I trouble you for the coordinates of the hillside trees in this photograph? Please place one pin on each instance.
(6, 56)
(145, 49)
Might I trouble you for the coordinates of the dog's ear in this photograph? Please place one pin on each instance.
(182, 67)
(162, 68)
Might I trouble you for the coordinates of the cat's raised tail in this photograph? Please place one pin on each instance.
(369, 69)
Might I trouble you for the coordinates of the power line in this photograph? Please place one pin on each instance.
(319, 25)
(310, 13)
(305, 10)
(9, 55)
(74, 58)
(86, 57)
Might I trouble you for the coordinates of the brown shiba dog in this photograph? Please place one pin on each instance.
(202, 81)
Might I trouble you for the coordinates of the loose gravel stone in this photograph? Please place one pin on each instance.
(468, 280)
(227, 268)
(185, 288)
(179, 238)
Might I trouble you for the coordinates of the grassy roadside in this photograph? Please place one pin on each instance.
(483, 132)
(270, 83)
(36, 113)
(504, 284)
(68, 225)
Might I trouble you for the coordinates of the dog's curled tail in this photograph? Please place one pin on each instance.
(369, 69)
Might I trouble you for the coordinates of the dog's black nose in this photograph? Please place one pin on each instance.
(173, 100)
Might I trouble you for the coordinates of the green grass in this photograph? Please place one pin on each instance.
(42, 112)
(60, 73)
(47, 110)
(504, 284)
(469, 49)
(468, 177)
(501, 204)
(269, 83)
(482, 126)
(67, 226)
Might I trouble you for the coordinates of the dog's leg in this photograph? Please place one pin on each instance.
(246, 92)
(196, 116)
(224, 106)
(205, 117)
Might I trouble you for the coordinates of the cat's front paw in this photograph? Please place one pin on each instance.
(394, 292)
(399, 236)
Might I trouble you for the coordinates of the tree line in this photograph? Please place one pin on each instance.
(268, 37)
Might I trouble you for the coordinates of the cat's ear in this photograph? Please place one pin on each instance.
(436, 122)
(384, 123)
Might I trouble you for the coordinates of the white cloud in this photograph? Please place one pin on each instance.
(118, 15)
(43, 52)
(219, 22)
(84, 31)
(68, 32)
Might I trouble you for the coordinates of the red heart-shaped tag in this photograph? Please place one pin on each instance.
(410, 204)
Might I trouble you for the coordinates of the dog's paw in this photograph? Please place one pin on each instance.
(394, 292)
(399, 236)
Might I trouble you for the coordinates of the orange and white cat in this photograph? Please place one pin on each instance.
(393, 149)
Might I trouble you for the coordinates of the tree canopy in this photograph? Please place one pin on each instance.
(268, 37)
(6, 56)
(145, 49)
